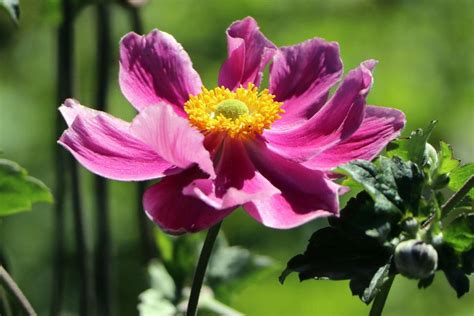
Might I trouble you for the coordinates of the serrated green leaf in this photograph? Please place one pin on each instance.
(337, 255)
(460, 234)
(379, 278)
(459, 176)
(412, 148)
(13, 8)
(18, 191)
(394, 185)
(447, 162)
(380, 186)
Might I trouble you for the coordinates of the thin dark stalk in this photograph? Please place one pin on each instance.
(381, 298)
(144, 229)
(137, 23)
(149, 250)
(456, 198)
(11, 286)
(103, 257)
(201, 269)
(64, 90)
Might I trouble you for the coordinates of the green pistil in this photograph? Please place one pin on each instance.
(231, 108)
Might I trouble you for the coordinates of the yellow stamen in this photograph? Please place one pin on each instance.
(242, 113)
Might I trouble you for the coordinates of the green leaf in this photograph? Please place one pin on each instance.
(447, 162)
(152, 303)
(161, 281)
(232, 268)
(336, 255)
(459, 176)
(18, 191)
(13, 8)
(412, 148)
(394, 185)
(208, 302)
(460, 234)
(379, 278)
(452, 266)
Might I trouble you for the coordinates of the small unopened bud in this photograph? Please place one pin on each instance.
(431, 157)
(416, 259)
(410, 225)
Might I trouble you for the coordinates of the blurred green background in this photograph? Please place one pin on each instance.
(426, 69)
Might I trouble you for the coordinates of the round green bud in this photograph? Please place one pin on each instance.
(415, 259)
(231, 108)
(410, 225)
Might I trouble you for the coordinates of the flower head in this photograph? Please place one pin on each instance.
(269, 151)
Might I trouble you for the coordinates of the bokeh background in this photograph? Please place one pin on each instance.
(426, 69)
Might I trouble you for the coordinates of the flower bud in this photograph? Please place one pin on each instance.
(416, 259)
(431, 157)
(410, 225)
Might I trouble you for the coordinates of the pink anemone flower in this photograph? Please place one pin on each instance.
(269, 151)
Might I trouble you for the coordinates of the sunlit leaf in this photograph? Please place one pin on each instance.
(447, 162)
(459, 176)
(161, 281)
(153, 303)
(412, 148)
(460, 233)
(18, 191)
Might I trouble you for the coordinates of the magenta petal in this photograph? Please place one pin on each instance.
(337, 120)
(249, 51)
(155, 68)
(172, 137)
(379, 127)
(237, 181)
(301, 76)
(104, 145)
(305, 194)
(176, 213)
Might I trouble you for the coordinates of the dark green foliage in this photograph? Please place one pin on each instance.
(400, 205)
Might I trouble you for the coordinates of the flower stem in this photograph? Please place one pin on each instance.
(201, 269)
(381, 298)
(13, 288)
(144, 229)
(458, 196)
(103, 262)
(64, 90)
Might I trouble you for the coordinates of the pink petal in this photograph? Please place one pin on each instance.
(305, 194)
(237, 180)
(104, 145)
(379, 127)
(301, 76)
(172, 137)
(249, 52)
(176, 213)
(337, 120)
(155, 68)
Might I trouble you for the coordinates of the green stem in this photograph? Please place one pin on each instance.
(457, 197)
(103, 261)
(201, 269)
(14, 290)
(381, 298)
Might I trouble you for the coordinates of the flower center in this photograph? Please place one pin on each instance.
(231, 108)
(242, 113)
